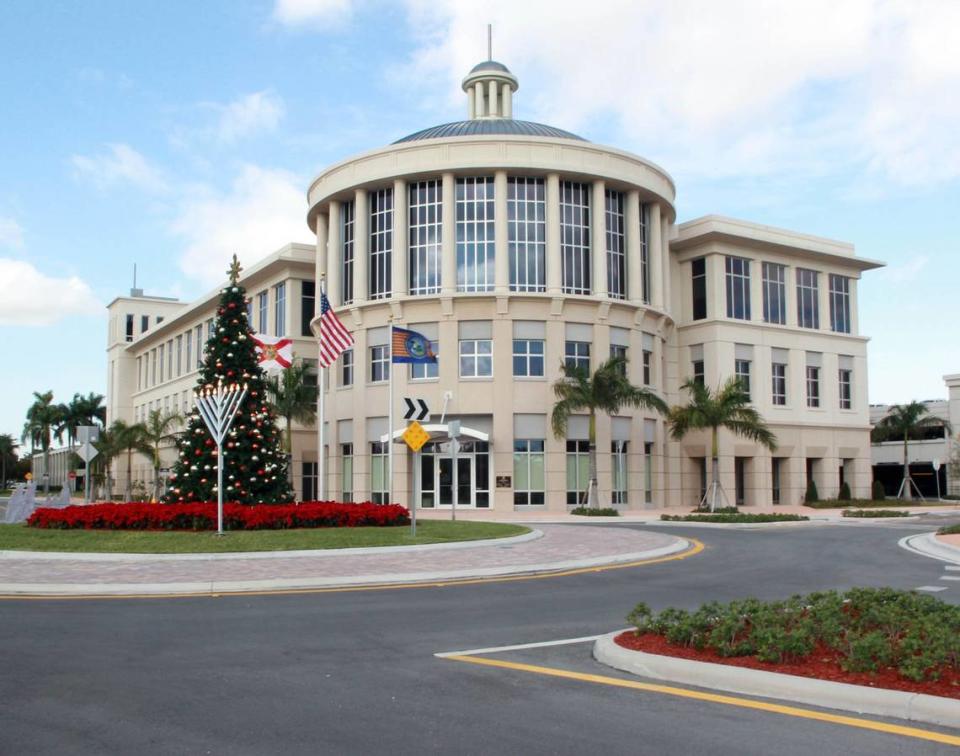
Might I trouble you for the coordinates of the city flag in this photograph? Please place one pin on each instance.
(410, 346)
(334, 337)
(273, 352)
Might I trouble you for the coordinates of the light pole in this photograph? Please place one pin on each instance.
(218, 407)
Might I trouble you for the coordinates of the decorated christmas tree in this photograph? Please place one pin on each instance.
(255, 467)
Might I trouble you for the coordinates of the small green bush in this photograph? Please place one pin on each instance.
(811, 494)
(595, 512)
(844, 494)
(877, 491)
(868, 628)
(718, 510)
(874, 513)
(949, 530)
(734, 517)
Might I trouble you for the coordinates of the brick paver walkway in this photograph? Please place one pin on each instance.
(561, 547)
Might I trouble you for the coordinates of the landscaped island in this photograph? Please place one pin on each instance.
(877, 637)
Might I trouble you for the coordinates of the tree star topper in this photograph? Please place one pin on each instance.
(234, 270)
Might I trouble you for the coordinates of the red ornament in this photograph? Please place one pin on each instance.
(209, 442)
(232, 305)
(196, 453)
(225, 340)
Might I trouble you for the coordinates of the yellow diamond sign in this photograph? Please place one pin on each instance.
(415, 436)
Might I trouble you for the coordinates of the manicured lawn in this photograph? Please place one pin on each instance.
(20, 537)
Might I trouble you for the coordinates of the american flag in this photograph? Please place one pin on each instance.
(334, 337)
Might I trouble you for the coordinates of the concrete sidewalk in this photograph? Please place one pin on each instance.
(556, 548)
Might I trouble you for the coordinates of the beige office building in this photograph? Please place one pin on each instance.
(515, 247)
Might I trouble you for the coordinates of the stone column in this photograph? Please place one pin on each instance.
(823, 296)
(502, 254)
(554, 261)
(492, 108)
(471, 103)
(854, 308)
(507, 94)
(655, 257)
(667, 289)
(790, 295)
(448, 253)
(598, 239)
(320, 264)
(756, 291)
(631, 221)
(401, 240)
(334, 263)
(361, 244)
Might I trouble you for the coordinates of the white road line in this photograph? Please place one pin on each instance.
(953, 568)
(931, 588)
(520, 646)
(950, 577)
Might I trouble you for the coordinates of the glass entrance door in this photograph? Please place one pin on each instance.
(464, 481)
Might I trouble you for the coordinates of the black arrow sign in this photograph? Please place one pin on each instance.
(413, 412)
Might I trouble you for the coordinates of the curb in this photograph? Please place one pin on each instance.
(108, 556)
(915, 707)
(95, 590)
(926, 544)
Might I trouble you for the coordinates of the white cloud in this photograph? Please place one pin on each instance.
(248, 115)
(11, 233)
(32, 298)
(315, 13)
(121, 164)
(263, 210)
(746, 86)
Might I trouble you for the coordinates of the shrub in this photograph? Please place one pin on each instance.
(811, 494)
(718, 510)
(203, 516)
(877, 491)
(844, 494)
(949, 530)
(595, 512)
(734, 517)
(868, 628)
(874, 513)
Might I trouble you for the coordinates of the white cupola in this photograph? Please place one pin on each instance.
(490, 87)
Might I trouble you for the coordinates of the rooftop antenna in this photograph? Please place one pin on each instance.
(135, 292)
(489, 41)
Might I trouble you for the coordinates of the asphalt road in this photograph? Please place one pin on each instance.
(355, 671)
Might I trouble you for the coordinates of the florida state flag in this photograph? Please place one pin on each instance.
(273, 352)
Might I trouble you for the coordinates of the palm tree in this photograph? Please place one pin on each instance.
(903, 421)
(293, 398)
(109, 449)
(728, 407)
(82, 410)
(158, 429)
(43, 417)
(606, 391)
(130, 439)
(8, 450)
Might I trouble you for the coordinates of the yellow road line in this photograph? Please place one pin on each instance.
(695, 549)
(745, 703)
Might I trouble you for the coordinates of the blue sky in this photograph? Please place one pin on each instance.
(172, 134)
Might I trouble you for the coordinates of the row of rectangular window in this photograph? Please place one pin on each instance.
(773, 278)
(474, 234)
(144, 325)
(476, 360)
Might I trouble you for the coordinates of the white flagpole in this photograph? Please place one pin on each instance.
(321, 381)
(390, 418)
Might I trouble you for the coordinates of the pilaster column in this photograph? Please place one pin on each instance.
(631, 221)
(823, 295)
(654, 247)
(502, 255)
(507, 95)
(400, 254)
(854, 308)
(554, 262)
(492, 108)
(361, 246)
(598, 242)
(756, 291)
(481, 111)
(448, 252)
(320, 264)
(334, 267)
(471, 103)
(716, 286)
(790, 294)
(665, 288)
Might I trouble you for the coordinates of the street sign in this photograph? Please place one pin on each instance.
(417, 409)
(87, 452)
(415, 436)
(87, 433)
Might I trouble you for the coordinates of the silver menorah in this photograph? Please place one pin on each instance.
(218, 407)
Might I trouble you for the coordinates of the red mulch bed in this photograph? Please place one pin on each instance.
(822, 664)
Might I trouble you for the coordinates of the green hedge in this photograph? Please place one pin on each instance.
(871, 503)
(739, 517)
(869, 628)
(595, 512)
(949, 529)
(874, 513)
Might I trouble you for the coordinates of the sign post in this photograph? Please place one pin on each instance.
(415, 437)
(86, 435)
(453, 430)
(936, 474)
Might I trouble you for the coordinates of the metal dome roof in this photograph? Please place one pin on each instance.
(491, 127)
(489, 65)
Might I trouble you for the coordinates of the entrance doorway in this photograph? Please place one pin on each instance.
(436, 475)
